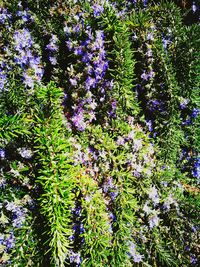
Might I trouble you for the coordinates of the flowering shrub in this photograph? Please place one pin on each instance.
(99, 133)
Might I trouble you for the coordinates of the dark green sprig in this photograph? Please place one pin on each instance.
(56, 174)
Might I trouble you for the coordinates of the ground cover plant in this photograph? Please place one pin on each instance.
(99, 133)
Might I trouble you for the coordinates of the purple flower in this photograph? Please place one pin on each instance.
(75, 258)
(146, 76)
(195, 113)
(1, 239)
(97, 9)
(194, 229)
(69, 45)
(81, 229)
(149, 124)
(33, 60)
(87, 57)
(90, 82)
(78, 50)
(196, 170)
(19, 219)
(78, 121)
(113, 195)
(76, 28)
(137, 258)
(193, 259)
(10, 241)
(52, 46)
(24, 15)
(4, 15)
(145, 3)
(38, 72)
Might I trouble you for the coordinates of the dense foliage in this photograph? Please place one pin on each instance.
(99, 133)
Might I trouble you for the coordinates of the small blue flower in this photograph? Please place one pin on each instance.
(193, 259)
(195, 113)
(2, 153)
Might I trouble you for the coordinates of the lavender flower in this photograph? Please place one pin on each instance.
(136, 256)
(153, 194)
(153, 221)
(120, 141)
(150, 36)
(3, 79)
(169, 201)
(2, 154)
(78, 121)
(194, 7)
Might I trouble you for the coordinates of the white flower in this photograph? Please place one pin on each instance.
(25, 153)
(147, 209)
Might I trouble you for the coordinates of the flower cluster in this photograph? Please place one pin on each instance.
(29, 62)
(52, 47)
(5, 16)
(13, 216)
(133, 253)
(89, 79)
